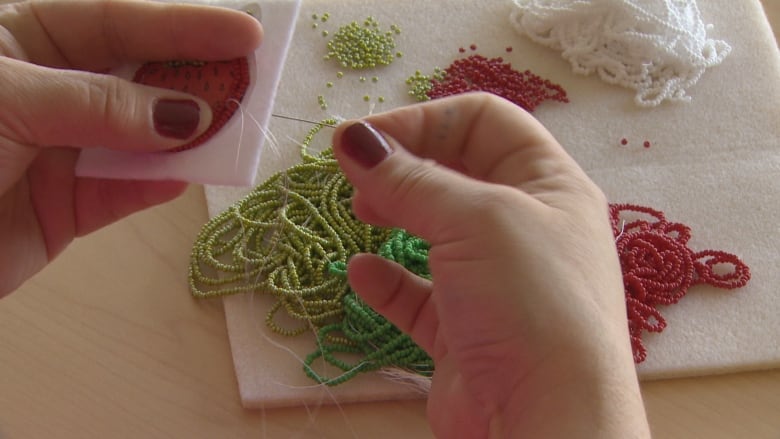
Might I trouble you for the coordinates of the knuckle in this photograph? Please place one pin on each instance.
(109, 99)
(415, 182)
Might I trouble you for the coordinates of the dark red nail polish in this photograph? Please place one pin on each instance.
(364, 144)
(176, 118)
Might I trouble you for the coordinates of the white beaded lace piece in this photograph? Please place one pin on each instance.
(657, 47)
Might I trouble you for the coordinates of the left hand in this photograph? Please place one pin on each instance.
(53, 102)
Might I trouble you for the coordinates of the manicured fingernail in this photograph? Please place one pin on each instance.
(363, 144)
(176, 118)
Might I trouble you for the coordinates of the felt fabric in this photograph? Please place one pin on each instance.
(713, 164)
(231, 156)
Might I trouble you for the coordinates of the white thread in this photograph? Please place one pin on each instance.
(657, 47)
(271, 141)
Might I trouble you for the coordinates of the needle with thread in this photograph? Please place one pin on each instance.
(303, 120)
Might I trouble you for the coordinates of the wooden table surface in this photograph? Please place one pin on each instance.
(107, 343)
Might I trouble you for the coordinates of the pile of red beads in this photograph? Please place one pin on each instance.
(659, 268)
(493, 75)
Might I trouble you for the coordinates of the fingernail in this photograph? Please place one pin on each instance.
(363, 144)
(176, 118)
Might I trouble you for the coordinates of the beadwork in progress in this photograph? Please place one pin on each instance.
(222, 84)
(659, 268)
(293, 235)
(658, 48)
(492, 75)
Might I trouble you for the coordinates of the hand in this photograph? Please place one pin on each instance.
(525, 318)
(52, 103)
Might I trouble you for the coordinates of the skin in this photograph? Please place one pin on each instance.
(525, 318)
(57, 106)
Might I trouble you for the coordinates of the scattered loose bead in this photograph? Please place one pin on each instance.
(624, 141)
(329, 84)
(646, 144)
(362, 79)
(473, 47)
(339, 75)
(380, 99)
(366, 98)
(324, 33)
(509, 49)
(375, 79)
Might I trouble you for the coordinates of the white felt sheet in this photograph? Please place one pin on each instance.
(714, 165)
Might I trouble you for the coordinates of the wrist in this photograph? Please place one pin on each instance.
(590, 393)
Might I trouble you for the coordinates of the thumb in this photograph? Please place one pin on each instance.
(50, 107)
(395, 188)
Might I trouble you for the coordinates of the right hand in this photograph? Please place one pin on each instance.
(525, 317)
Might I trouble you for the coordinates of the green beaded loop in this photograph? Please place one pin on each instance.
(281, 239)
(367, 335)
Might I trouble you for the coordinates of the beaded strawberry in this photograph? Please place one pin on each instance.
(222, 84)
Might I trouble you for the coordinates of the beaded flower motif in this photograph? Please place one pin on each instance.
(659, 268)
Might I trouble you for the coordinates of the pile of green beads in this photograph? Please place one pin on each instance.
(364, 333)
(282, 239)
(364, 46)
(420, 84)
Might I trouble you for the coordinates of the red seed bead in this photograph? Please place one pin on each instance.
(646, 144)
(623, 141)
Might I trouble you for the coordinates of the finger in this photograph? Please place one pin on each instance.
(48, 107)
(67, 206)
(488, 137)
(98, 34)
(397, 294)
(100, 202)
(398, 189)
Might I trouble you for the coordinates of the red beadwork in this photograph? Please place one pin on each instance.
(219, 83)
(659, 268)
(477, 73)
